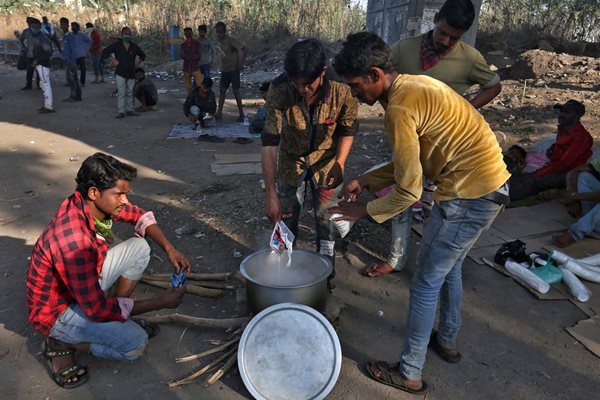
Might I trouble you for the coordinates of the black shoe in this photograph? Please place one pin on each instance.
(210, 138)
(26, 88)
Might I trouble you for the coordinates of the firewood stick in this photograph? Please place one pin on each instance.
(208, 367)
(200, 291)
(225, 323)
(206, 353)
(195, 276)
(206, 284)
(221, 371)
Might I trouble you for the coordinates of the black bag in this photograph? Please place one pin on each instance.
(22, 63)
(514, 250)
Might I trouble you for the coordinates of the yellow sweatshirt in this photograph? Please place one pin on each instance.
(436, 133)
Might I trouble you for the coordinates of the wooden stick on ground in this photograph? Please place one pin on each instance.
(205, 284)
(225, 323)
(221, 371)
(207, 353)
(195, 276)
(200, 291)
(208, 367)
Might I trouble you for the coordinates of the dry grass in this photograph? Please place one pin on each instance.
(258, 22)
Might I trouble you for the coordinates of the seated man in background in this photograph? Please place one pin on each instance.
(257, 124)
(583, 202)
(573, 148)
(144, 91)
(73, 265)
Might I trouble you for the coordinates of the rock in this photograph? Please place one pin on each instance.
(545, 45)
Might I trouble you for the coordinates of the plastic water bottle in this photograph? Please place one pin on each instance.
(246, 119)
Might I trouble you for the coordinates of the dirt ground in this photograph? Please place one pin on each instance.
(513, 345)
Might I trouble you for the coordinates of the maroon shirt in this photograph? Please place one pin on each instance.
(66, 263)
(572, 149)
(190, 54)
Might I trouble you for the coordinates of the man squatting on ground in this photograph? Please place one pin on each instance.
(437, 134)
(440, 54)
(125, 56)
(312, 121)
(72, 267)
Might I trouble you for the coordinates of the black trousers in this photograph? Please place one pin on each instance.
(81, 65)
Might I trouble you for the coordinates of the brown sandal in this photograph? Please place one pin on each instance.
(388, 374)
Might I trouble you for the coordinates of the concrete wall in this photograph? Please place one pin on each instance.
(399, 19)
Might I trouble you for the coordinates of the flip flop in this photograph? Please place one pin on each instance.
(388, 374)
(376, 270)
(442, 351)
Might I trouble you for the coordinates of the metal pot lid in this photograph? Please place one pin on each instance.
(289, 352)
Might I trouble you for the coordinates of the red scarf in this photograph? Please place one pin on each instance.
(429, 56)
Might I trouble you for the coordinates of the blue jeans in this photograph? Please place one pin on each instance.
(115, 340)
(73, 82)
(590, 220)
(400, 239)
(451, 231)
(205, 69)
(97, 64)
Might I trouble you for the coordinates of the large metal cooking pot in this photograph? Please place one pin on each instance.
(269, 281)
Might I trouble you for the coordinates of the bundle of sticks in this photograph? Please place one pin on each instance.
(211, 285)
(222, 364)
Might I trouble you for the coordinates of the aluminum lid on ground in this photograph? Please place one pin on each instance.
(289, 351)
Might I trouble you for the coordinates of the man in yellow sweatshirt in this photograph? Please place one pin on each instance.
(434, 133)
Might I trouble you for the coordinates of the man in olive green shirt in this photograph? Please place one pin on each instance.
(233, 55)
(440, 54)
(435, 134)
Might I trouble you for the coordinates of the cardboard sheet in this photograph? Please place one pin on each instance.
(236, 169)
(237, 158)
(587, 332)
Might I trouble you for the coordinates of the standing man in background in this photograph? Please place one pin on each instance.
(190, 54)
(125, 56)
(207, 51)
(233, 55)
(96, 53)
(42, 51)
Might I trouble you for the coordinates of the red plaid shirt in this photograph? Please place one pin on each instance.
(190, 54)
(66, 263)
(429, 56)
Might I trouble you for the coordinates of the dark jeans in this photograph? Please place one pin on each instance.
(524, 185)
(81, 65)
(73, 82)
(144, 94)
(205, 70)
(292, 198)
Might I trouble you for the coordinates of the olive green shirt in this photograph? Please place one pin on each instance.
(231, 51)
(460, 69)
(308, 137)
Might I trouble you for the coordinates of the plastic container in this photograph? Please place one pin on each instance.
(246, 119)
(578, 289)
(549, 272)
(526, 276)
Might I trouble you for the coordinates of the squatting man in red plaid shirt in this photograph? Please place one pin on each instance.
(72, 267)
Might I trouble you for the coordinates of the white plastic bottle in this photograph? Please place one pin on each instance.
(246, 119)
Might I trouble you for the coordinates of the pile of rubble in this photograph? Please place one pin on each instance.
(540, 64)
